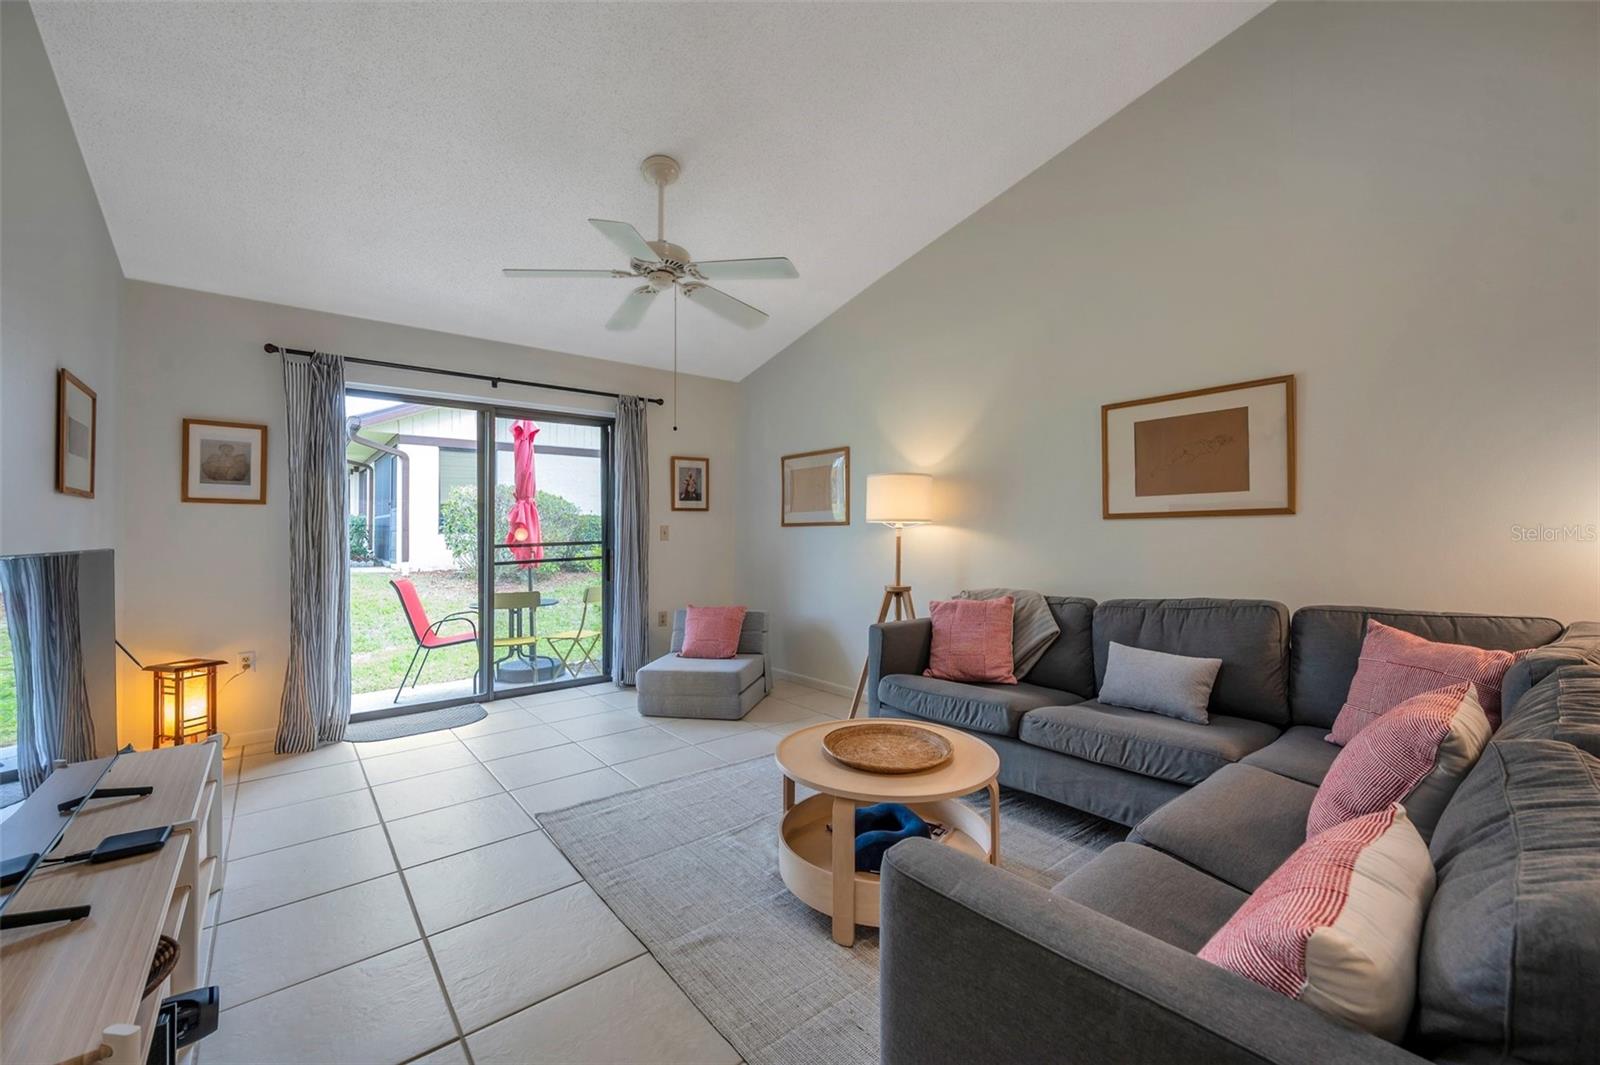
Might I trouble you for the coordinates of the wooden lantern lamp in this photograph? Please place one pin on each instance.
(185, 700)
(896, 500)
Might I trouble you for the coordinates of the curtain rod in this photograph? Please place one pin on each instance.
(495, 381)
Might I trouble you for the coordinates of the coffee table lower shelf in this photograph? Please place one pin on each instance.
(805, 850)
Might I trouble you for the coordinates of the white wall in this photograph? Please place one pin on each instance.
(212, 580)
(1395, 202)
(60, 286)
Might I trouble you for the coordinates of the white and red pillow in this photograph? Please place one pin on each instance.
(971, 641)
(1416, 755)
(1338, 925)
(1395, 665)
(712, 631)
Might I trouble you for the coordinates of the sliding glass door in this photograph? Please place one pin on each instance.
(454, 599)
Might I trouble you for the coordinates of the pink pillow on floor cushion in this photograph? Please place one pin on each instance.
(1396, 665)
(1415, 755)
(1338, 925)
(712, 631)
(971, 641)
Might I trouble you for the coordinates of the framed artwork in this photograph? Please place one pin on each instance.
(76, 409)
(224, 462)
(816, 487)
(691, 483)
(1212, 452)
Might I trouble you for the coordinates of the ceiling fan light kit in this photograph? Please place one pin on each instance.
(663, 265)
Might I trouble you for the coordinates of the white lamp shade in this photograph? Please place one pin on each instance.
(900, 498)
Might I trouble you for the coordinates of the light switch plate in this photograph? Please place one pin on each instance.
(664, 530)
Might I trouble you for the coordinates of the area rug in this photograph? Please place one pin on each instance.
(392, 728)
(691, 867)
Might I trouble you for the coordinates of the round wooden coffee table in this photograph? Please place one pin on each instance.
(819, 865)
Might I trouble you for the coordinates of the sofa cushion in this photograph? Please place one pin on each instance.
(1238, 825)
(1325, 647)
(1172, 685)
(1156, 746)
(1068, 664)
(971, 641)
(674, 675)
(1302, 753)
(1417, 755)
(1578, 645)
(1251, 637)
(996, 708)
(1512, 944)
(1155, 893)
(1565, 707)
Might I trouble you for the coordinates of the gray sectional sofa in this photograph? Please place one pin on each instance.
(979, 965)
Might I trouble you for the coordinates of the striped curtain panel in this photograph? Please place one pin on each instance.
(316, 684)
(630, 582)
(53, 720)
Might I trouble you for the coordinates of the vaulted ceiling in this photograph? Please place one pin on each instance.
(386, 160)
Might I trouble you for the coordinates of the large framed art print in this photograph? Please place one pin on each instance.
(1210, 452)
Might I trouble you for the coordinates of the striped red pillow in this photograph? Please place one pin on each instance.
(711, 631)
(1339, 924)
(1395, 665)
(1415, 755)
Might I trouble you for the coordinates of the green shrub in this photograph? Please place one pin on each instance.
(559, 520)
(360, 540)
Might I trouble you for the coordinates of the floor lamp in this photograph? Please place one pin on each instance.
(895, 500)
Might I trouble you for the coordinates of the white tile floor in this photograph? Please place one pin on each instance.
(397, 901)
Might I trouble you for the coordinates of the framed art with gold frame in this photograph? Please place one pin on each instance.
(77, 415)
(814, 487)
(1225, 451)
(224, 462)
(691, 483)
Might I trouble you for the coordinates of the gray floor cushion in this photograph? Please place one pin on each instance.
(1239, 825)
(1302, 753)
(1182, 752)
(1155, 893)
(673, 675)
(993, 708)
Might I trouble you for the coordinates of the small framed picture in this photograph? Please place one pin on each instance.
(816, 487)
(76, 409)
(224, 462)
(691, 483)
(1212, 452)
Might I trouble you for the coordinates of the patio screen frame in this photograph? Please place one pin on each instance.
(487, 413)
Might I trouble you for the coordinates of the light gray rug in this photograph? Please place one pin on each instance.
(691, 867)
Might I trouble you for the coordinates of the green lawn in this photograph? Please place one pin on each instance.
(8, 687)
(381, 642)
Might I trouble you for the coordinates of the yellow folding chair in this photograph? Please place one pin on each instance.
(582, 643)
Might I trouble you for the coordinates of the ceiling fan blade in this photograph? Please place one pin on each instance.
(720, 303)
(631, 313)
(627, 238)
(512, 272)
(747, 269)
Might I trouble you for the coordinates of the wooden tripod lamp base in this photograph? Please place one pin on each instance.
(897, 596)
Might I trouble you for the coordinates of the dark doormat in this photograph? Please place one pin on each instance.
(390, 728)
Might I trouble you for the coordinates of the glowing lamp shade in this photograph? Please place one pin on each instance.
(185, 700)
(900, 499)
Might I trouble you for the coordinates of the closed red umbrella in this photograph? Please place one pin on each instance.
(524, 536)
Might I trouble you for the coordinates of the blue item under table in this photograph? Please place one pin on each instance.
(880, 827)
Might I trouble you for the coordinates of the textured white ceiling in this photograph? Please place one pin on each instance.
(386, 160)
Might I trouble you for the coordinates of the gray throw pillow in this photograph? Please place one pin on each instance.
(1170, 685)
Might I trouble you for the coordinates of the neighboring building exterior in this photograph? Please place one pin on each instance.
(405, 459)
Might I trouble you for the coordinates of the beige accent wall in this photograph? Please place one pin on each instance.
(1395, 202)
(213, 580)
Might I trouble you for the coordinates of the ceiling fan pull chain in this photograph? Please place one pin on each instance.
(674, 358)
(661, 210)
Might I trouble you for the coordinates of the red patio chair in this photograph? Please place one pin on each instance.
(426, 632)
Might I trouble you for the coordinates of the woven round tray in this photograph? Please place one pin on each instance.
(887, 747)
(161, 966)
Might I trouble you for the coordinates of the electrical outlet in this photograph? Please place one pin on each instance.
(661, 619)
(247, 661)
(665, 529)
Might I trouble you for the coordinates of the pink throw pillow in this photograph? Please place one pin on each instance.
(712, 631)
(1338, 925)
(971, 641)
(1415, 755)
(1396, 665)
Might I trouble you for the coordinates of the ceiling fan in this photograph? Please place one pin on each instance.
(663, 265)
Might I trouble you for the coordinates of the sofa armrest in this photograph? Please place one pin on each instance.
(979, 965)
(1578, 645)
(896, 647)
